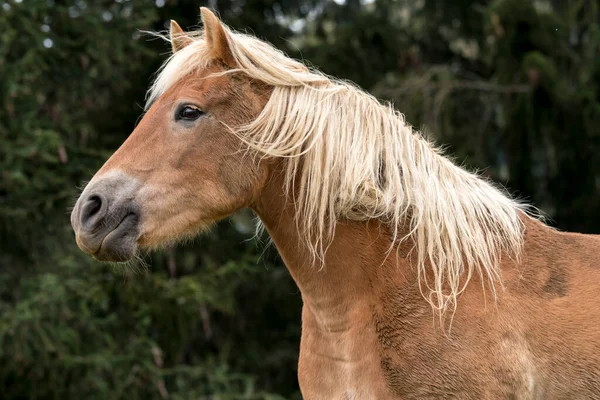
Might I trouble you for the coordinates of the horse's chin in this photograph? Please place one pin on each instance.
(160, 239)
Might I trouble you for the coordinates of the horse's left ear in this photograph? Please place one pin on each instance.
(216, 37)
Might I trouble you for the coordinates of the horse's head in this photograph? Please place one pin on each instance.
(182, 168)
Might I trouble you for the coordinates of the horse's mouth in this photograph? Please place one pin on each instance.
(120, 244)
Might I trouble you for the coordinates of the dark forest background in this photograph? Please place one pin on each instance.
(512, 87)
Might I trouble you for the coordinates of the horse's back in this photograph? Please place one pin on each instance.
(551, 303)
(538, 339)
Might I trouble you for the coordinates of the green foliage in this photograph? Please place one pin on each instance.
(510, 84)
(91, 333)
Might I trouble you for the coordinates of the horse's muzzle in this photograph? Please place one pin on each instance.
(106, 219)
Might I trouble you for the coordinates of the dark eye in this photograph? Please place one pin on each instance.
(188, 113)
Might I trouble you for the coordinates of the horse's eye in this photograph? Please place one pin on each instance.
(188, 113)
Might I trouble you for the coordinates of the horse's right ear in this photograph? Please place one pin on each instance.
(179, 39)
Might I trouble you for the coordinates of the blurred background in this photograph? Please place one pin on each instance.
(511, 87)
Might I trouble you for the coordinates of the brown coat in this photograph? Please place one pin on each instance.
(367, 330)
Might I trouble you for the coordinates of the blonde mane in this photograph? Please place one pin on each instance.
(353, 158)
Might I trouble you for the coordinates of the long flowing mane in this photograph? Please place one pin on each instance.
(351, 157)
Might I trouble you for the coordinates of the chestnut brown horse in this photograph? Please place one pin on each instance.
(419, 279)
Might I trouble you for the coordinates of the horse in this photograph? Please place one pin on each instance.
(419, 279)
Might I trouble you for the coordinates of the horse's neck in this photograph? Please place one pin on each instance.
(357, 259)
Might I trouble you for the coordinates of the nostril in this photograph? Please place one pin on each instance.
(92, 210)
(95, 204)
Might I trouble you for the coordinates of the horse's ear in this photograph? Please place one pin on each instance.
(179, 39)
(216, 37)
